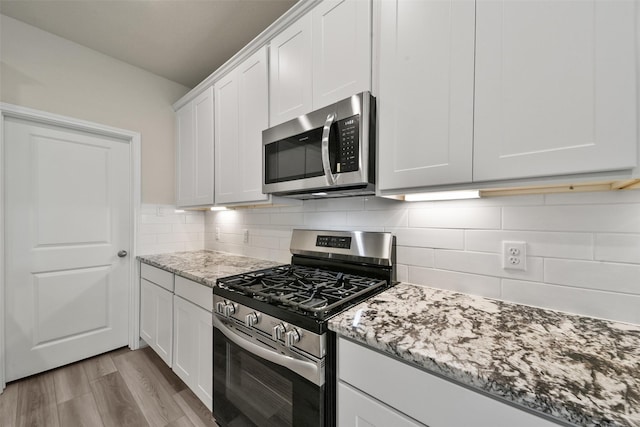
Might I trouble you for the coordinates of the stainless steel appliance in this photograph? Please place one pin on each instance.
(274, 357)
(327, 153)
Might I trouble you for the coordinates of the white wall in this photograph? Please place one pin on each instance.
(45, 72)
(583, 249)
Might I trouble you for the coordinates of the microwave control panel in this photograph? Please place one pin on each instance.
(348, 144)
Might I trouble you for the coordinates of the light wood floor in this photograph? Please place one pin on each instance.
(120, 388)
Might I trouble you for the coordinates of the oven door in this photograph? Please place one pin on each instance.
(254, 384)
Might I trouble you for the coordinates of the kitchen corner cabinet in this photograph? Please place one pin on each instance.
(323, 57)
(405, 396)
(425, 102)
(194, 152)
(241, 114)
(156, 310)
(553, 91)
(193, 338)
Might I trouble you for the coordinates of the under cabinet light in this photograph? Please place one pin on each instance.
(322, 193)
(179, 211)
(443, 195)
(219, 208)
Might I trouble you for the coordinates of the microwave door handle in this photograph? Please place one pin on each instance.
(326, 163)
(306, 370)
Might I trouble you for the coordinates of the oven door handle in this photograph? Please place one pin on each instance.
(326, 162)
(306, 370)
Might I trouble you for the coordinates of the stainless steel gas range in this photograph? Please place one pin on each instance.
(274, 357)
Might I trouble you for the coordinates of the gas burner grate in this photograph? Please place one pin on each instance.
(313, 290)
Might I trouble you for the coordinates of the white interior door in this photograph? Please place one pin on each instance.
(67, 217)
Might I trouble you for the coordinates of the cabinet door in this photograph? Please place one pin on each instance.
(341, 50)
(185, 156)
(290, 72)
(425, 101)
(358, 409)
(156, 319)
(203, 131)
(555, 88)
(253, 103)
(194, 152)
(227, 150)
(193, 348)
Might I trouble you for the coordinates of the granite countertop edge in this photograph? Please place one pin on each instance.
(510, 363)
(205, 266)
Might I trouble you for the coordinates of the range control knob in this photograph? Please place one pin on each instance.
(220, 307)
(251, 319)
(292, 337)
(278, 332)
(229, 309)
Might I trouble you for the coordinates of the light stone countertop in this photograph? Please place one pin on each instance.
(205, 266)
(578, 369)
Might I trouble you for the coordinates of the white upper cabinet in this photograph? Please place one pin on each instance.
(290, 72)
(341, 50)
(553, 92)
(194, 151)
(323, 57)
(242, 105)
(425, 96)
(555, 88)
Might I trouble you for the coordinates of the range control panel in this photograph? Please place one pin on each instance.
(333, 242)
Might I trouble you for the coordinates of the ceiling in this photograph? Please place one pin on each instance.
(181, 40)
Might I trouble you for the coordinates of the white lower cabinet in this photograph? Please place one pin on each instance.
(156, 319)
(358, 409)
(377, 390)
(193, 348)
(176, 322)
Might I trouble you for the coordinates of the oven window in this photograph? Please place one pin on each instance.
(249, 391)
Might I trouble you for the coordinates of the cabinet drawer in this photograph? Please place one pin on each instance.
(422, 396)
(156, 275)
(194, 292)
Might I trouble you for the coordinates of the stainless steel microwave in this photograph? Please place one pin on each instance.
(327, 153)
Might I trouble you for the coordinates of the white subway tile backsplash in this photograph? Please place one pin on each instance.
(604, 276)
(487, 264)
(188, 228)
(606, 305)
(485, 286)
(428, 237)
(539, 243)
(155, 228)
(583, 249)
(613, 218)
(291, 219)
(339, 204)
(393, 218)
(618, 248)
(421, 257)
(402, 273)
(161, 229)
(461, 217)
(320, 219)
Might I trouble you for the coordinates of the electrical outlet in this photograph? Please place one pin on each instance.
(514, 255)
(245, 235)
(217, 233)
(161, 211)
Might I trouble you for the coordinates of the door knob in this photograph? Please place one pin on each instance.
(122, 254)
